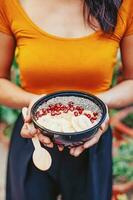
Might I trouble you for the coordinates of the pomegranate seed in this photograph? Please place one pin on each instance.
(43, 110)
(87, 115)
(93, 118)
(71, 108)
(80, 112)
(62, 107)
(78, 108)
(40, 112)
(53, 113)
(95, 113)
(65, 110)
(76, 113)
(58, 113)
(37, 114)
(48, 110)
(40, 115)
(58, 104)
(58, 109)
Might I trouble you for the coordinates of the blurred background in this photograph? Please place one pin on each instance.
(122, 124)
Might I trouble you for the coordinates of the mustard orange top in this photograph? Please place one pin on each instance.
(50, 63)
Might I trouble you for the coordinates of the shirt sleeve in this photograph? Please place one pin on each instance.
(4, 23)
(129, 29)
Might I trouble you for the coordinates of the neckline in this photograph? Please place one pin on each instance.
(45, 33)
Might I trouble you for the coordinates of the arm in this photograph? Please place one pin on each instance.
(116, 97)
(122, 94)
(10, 94)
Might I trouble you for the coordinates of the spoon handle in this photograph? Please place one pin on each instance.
(36, 142)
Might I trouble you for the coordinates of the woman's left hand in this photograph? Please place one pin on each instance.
(76, 151)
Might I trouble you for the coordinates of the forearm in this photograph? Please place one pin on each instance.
(119, 96)
(14, 96)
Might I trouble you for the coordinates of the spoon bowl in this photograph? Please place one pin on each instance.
(41, 157)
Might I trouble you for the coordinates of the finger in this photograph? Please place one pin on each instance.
(26, 115)
(60, 147)
(105, 124)
(72, 150)
(46, 141)
(78, 151)
(94, 140)
(26, 132)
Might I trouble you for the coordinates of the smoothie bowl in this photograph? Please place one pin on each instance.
(69, 118)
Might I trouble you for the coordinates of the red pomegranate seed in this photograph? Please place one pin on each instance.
(53, 113)
(58, 113)
(95, 113)
(78, 108)
(58, 109)
(93, 118)
(65, 110)
(76, 113)
(72, 108)
(62, 107)
(48, 110)
(37, 114)
(45, 112)
(40, 112)
(87, 115)
(40, 115)
(80, 112)
(58, 104)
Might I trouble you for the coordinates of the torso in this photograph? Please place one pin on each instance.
(56, 51)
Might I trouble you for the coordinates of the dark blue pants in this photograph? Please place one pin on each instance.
(87, 177)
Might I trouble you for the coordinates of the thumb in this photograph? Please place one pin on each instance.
(26, 114)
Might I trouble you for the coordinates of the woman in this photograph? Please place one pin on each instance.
(61, 47)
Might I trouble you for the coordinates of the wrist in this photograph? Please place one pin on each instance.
(30, 98)
(105, 97)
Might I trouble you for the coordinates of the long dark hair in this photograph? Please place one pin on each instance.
(104, 11)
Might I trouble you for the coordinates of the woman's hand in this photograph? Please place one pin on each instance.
(28, 130)
(76, 151)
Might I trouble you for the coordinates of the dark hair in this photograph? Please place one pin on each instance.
(104, 11)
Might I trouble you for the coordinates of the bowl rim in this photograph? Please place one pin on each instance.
(69, 93)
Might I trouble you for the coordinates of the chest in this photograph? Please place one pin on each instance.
(62, 19)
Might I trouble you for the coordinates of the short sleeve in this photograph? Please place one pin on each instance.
(129, 19)
(129, 29)
(4, 23)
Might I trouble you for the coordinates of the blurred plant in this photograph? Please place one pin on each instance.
(128, 120)
(8, 115)
(123, 163)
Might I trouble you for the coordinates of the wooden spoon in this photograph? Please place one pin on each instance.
(41, 157)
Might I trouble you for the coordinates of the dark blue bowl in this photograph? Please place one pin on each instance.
(74, 138)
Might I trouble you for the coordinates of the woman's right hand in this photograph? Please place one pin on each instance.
(28, 130)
